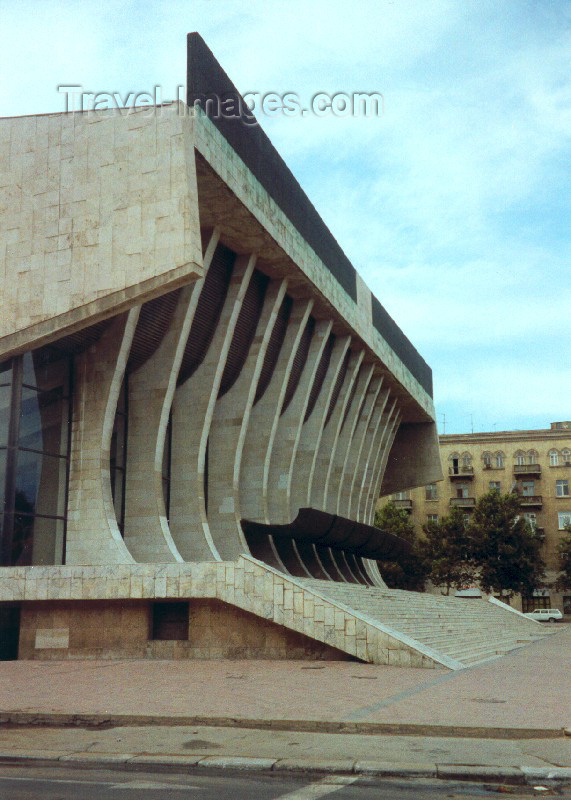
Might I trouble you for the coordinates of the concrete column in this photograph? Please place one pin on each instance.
(93, 536)
(288, 433)
(228, 433)
(324, 455)
(356, 446)
(192, 415)
(151, 391)
(312, 431)
(339, 457)
(381, 469)
(367, 497)
(374, 439)
(264, 417)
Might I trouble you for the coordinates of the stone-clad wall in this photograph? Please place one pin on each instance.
(97, 211)
(121, 629)
(246, 584)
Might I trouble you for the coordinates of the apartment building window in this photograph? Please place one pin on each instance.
(431, 492)
(401, 495)
(532, 456)
(562, 488)
(466, 460)
(553, 458)
(495, 486)
(528, 488)
(564, 519)
(500, 459)
(566, 455)
(432, 518)
(531, 519)
(462, 490)
(487, 459)
(519, 458)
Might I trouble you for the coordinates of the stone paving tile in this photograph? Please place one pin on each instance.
(529, 688)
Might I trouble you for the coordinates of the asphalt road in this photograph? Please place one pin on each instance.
(17, 783)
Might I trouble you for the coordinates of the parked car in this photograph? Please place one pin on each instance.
(545, 614)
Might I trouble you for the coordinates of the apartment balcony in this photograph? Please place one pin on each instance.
(463, 502)
(456, 473)
(405, 505)
(531, 501)
(527, 469)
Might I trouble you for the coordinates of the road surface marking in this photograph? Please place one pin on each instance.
(320, 789)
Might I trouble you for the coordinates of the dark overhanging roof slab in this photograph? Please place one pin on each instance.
(331, 530)
(207, 80)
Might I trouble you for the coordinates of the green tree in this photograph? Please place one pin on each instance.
(563, 582)
(447, 552)
(504, 548)
(411, 570)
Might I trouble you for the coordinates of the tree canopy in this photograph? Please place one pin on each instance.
(411, 572)
(564, 550)
(504, 548)
(446, 549)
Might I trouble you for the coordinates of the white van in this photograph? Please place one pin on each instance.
(545, 614)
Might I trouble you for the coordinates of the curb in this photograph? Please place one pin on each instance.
(61, 720)
(519, 776)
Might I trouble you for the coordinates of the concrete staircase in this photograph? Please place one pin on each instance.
(466, 630)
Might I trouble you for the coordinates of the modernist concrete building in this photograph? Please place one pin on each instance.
(200, 401)
(536, 464)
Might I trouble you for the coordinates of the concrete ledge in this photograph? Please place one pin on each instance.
(519, 776)
(460, 772)
(236, 762)
(535, 775)
(160, 763)
(343, 766)
(387, 769)
(60, 720)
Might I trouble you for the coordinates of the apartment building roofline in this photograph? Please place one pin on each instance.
(513, 435)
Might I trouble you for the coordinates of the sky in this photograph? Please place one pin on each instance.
(454, 204)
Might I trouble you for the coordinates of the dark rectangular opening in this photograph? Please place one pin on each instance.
(169, 621)
(9, 632)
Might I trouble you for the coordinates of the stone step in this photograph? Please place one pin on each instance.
(468, 631)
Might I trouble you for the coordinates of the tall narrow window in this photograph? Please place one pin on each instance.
(553, 458)
(166, 471)
(500, 460)
(34, 458)
(118, 458)
(431, 492)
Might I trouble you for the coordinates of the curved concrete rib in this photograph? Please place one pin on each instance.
(93, 536)
(288, 432)
(151, 391)
(339, 457)
(378, 478)
(285, 443)
(192, 414)
(369, 435)
(321, 468)
(356, 446)
(228, 433)
(328, 563)
(312, 431)
(374, 438)
(369, 498)
(260, 435)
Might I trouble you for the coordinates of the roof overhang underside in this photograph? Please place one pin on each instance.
(329, 530)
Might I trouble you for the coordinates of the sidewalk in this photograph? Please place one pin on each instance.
(504, 715)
